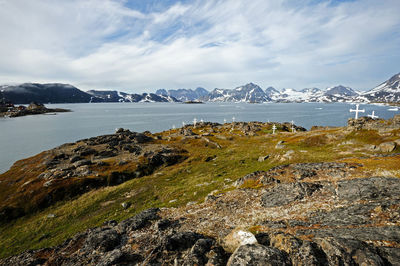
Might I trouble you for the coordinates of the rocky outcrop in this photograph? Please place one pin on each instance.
(255, 254)
(374, 124)
(139, 240)
(76, 168)
(305, 214)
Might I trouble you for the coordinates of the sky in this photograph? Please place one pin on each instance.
(143, 45)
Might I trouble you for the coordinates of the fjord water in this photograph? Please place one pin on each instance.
(22, 137)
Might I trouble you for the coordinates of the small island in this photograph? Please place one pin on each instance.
(8, 109)
(193, 102)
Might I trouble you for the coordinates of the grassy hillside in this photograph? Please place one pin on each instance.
(216, 157)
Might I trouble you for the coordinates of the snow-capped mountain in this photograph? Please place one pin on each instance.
(340, 91)
(116, 96)
(335, 94)
(253, 93)
(248, 93)
(184, 94)
(272, 93)
(388, 91)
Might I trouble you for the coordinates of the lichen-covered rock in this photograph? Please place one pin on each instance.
(103, 239)
(256, 254)
(349, 252)
(368, 188)
(282, 194)
(140, 220)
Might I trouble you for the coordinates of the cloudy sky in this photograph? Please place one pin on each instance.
(143, 45)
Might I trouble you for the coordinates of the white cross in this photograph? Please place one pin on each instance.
(273, 129)
(293, 129)
(201, 120)
(173, 126)
(224, 120)
(194, 122)
(357, 111)
(292, 122)
(373, 116)
(233, 119)
(183, 123)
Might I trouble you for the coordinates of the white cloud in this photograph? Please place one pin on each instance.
(105, 45)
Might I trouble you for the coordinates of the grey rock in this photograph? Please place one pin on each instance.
(181, 240)
(87, 151)
(299, 252)
(368, 188)
(261, 176)
(390, 255)
(106, 153)
(342, 251)
(349, 215)
(382, 233)
(309, 254)
(282, 194)
(82, 163)
(119, 257)
(140, 220)
(165, 224)
(198, 252)
(256, 254)
(102, 239)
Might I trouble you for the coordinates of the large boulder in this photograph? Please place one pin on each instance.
(387, 146)
(238, 237)
(256, 254)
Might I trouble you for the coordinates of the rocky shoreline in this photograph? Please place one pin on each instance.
(344, 211)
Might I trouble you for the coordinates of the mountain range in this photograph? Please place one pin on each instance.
(388, 91)
(184, 94)
(65, 93)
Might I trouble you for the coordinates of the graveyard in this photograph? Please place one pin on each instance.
(189, 172)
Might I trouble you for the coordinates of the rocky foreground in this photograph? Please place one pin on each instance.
(342, 212)
(317, 214)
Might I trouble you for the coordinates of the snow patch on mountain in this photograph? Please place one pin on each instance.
(388, 91)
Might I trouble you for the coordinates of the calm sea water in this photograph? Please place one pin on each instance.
(26, 136)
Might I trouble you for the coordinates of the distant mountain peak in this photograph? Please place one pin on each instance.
(340, 90)
(388, 91)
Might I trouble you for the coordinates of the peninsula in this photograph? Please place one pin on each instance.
(209, 193)
(8, 109)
